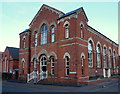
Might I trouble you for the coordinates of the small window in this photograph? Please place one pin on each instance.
(67, 65)
(24, 42)
(36, 39)
(81, 30)
(66, 31)
(53, 34)
(52, 66)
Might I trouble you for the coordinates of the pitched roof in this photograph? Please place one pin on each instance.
(102, 35)
(44, 5)
(26, 30)
(69, 13)
(14, 52)
(74, 11)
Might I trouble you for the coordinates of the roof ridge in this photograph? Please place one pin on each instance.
(71, 12)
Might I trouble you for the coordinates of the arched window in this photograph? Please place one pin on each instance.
(44, 34)
(36, 38)
(67, 65)
(53, 34)
(114, 59)
(52, 65)
(43, 63)
(90, 54)
(109, 58)
(66, 31)
(24, 42)
(5, 65)
(98, 56)
(23, 65)
(81, 30)
(105, 57)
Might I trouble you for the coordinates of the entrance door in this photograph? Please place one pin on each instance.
(43, 67)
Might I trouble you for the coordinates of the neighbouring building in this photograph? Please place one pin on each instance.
(67, 49)
(0, 62)
(10, 61)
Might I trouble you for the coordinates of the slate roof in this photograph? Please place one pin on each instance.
(14, 52)
(26, 30)
(71, 12)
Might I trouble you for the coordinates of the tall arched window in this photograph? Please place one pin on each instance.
(114, 59)
(67, 64)
(81, 30)
(24, 42)
(44, 34)
(109, 58)
(52, 65)
(90, 54)
(43, 63)
(98, 56)
(105, 57)
(23, 65)
(66, 31)
(36, 38)
(5, 64)
(53, 34)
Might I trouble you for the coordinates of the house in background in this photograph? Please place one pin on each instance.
(1, 62)
(10, 61)
(68, 50)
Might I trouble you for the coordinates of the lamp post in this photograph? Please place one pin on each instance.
(35, 66)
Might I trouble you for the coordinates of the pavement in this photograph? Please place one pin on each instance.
(111, 85)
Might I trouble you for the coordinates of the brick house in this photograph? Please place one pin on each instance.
(67, 48)
(0, 62)
(10, 61)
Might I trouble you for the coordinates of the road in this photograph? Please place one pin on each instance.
(108, 86)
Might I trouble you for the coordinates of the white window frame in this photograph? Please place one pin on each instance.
(105, 57)
(36, 38)
(53, 34)
(98, 56)
(44, 31)
(66, 31)
(67, 63)
(52, 66)
(90, 55)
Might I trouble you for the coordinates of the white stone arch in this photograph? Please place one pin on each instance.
(104, 46)
(53, 24)
(66, 22)
(115, 52)
(43, 51)
(82, 55)
(66, 54)
(90, 39)
(81, 23)
(23, 60)
(98, 43)
(32, 58)
(52, 54)
(42, 23)
(24, 37)
(110, 50)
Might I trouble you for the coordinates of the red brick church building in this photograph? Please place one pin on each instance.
(67, 48)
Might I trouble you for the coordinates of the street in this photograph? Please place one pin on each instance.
(108, 86)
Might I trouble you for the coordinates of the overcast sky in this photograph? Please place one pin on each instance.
(16, 16)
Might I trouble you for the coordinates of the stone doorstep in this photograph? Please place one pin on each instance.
(89, 82)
